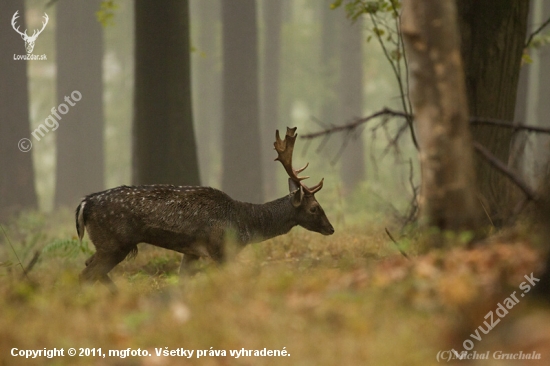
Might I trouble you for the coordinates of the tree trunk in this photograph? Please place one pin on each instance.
(164, 139)
(79, 163)
(207, 87)
(438, 95)
(493, 37)
(542, 112)
(273, 20)
(329, 63)
(17, 175)
(351, 100)
(242, 163)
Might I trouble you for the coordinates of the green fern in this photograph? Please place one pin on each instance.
(67, 248)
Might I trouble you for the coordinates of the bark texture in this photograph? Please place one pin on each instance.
(493, 36)
(164, 138)
(242, 163)
(438, 94)
(16, 169)
(80, 153)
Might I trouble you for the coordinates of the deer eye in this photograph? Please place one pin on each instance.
(313, 209)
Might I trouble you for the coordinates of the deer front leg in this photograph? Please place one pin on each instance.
(188, 264)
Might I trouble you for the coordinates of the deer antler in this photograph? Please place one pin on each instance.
(284, 149)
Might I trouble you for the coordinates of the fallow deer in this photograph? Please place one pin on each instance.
(194, 221)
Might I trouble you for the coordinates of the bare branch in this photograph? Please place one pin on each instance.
(393, 113)
(500, 166)
(507, 124)
(537, 31)
(356, 123)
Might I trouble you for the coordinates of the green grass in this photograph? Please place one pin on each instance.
(348, 299)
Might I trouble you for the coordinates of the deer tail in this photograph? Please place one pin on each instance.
(79, 218)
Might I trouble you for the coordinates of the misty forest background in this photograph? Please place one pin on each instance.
(438, 216)
(289, 63)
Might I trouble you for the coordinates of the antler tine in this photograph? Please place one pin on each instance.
(284, 149)
(315, 188)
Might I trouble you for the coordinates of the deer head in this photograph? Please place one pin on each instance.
(310, 213)
(29, 40)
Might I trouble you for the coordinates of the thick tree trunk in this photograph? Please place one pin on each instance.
(273, 20)
(17, 175)
(242, 163)
(351, 100)
(164, 139)
(542, 112)
(493, 37)
(438, 95)
(80, 158)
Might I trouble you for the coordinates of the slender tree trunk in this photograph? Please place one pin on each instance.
(79, 40)
(17, 175)
(273, 20)
(438, 95)
(164, 139)
(493, 37)
(329, 63)
(242, 163)
(207, 86)
(351, 100)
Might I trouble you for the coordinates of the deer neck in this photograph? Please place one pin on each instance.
(258, 222)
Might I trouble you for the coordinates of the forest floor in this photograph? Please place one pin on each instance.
(347, 299)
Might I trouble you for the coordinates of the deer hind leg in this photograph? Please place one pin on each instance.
(90, 260)
(100, 264)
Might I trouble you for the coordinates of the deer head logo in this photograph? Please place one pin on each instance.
(29, 41)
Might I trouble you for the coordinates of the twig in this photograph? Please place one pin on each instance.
(537, 31)
(356, 123)
(31, 264)
(14, 252)
(500, 166)
(507, 124)
(397, 245)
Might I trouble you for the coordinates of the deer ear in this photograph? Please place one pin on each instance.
(292, 185)
(297, 196)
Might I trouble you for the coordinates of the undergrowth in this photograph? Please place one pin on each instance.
(347, 299)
